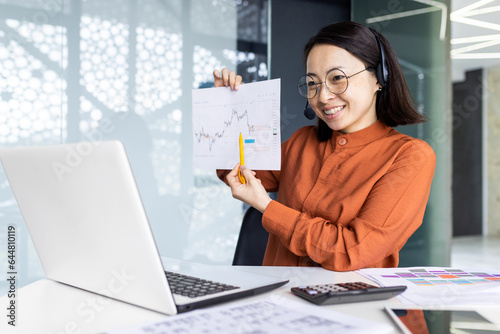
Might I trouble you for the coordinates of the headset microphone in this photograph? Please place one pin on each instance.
(308, 112)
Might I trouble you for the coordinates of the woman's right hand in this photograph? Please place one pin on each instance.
(227, 79)
(251, 192)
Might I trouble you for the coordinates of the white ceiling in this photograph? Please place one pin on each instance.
(469, 19)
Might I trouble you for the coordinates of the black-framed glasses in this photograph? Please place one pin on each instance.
(336, 81)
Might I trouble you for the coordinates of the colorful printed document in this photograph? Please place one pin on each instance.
(440, 286)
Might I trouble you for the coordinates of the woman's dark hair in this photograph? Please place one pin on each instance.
(394, 104)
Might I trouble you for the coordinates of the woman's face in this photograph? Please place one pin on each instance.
(352, 110)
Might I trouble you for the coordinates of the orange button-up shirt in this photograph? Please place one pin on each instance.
(348, 203)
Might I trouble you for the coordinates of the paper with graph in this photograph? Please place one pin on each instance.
(220, 115)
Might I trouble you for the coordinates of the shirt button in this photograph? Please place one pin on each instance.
(342, 141)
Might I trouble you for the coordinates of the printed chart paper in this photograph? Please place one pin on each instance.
(440, 286)
(220, 115)
(260, 317)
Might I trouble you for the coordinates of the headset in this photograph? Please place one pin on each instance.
(382, 73)
(308, 111)
(382, 68)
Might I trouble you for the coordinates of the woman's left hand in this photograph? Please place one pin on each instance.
(252, 192)
(226, 78)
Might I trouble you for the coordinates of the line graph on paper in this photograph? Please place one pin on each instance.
(212, 138)
(220, 115)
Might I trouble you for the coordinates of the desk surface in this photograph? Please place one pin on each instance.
(49, 307)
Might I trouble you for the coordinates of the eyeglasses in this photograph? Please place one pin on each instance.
(336, 81)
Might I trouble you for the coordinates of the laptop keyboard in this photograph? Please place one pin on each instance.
(192, 287)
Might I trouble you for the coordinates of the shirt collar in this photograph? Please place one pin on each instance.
(361, 137)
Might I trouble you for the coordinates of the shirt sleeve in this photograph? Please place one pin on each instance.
(390, 214)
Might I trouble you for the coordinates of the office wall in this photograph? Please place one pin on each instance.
(492, 100)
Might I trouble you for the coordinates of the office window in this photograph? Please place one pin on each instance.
(88, 70)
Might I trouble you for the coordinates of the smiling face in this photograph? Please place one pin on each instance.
(352, 110)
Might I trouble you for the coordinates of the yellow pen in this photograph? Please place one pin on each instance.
(242, 160)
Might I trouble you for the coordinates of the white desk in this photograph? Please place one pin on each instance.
(48, 307)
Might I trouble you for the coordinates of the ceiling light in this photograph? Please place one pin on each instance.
(469, 8)
(482, 11)
(464, 15)
(475, 47)
(490, 55)
(474, 39)
(477, 23)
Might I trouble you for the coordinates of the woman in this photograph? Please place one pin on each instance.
(351, 190)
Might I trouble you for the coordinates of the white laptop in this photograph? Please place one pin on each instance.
(85, 217)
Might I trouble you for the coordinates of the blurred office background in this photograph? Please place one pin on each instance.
(87, 70)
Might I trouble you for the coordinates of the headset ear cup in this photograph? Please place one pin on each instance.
(380, 76)
(382, 68)
(384, 72)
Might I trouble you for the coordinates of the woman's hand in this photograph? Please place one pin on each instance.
(227, 79)
(252, 192)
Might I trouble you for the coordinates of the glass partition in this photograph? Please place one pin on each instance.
(419, 32)
(88, 70)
